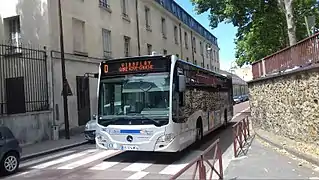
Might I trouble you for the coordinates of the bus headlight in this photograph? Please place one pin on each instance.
(166, 138)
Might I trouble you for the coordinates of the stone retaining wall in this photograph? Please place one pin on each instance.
(287, 105)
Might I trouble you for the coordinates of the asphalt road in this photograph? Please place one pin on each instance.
(85, 162)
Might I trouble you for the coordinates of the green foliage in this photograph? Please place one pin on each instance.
(262, 27)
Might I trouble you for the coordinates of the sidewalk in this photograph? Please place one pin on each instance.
(50, 146)
(263, 161)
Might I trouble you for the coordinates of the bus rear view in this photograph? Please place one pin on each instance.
(134, 105)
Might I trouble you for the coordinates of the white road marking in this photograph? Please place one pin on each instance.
(60, 160)
(138, 175)
(89, 159)
(20, 174)
(28, 163)
(178, 165)
(138, 166)
(173, 169)
(92, 150)
(104, 165)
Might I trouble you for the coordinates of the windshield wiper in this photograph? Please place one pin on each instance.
(106, 122)
(157, 124)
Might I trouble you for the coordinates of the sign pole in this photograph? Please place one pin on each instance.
(64, 80)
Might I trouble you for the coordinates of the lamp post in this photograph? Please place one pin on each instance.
(64, 80)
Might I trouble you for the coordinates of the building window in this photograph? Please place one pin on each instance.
(78, 35)
(149, 49)
(163, 27)
(207, 66)
(104, 3)
(194, 44)
(147, 18)
(186, 40)
(164, 51)
(124, 8)
(201, 48)
(176, 34)
(127, 46)
(106, 37)
(207, 51)
(14, 30)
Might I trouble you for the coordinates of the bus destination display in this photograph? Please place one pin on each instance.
(137, 66)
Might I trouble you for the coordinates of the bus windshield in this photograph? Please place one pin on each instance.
(134, 100)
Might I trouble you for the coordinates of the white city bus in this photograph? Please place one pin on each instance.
(159, 103)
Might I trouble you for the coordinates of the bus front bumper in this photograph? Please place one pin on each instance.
(165, 143)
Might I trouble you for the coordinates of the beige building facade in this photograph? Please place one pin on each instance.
(96, 30)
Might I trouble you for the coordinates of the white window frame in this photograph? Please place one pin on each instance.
(163, 25)
(176, 34)
(127, 46)
(147, 17)
(107, 43)
(124, 8)
(76, 40)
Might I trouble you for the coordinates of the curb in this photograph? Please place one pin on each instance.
(26, 157)
(306, 157)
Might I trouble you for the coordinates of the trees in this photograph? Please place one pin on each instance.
(264, 27)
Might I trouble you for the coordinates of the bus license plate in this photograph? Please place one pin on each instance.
(129, 147)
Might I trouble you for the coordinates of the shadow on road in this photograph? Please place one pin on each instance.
(246, 146)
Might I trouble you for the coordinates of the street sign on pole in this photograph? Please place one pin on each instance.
(68, 88)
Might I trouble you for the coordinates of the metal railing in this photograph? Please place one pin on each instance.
(304, 53)
(241, 134)
(200, 164)
(23, 79)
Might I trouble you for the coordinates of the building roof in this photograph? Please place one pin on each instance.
(236, 79)
(186, 18)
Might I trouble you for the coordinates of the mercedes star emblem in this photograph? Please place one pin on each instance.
(129, 138)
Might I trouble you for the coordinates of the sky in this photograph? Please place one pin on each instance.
(225, 34)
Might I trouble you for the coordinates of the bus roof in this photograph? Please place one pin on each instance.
(204, 69)
(137, 58)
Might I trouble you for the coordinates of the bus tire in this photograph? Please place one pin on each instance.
(225, 119)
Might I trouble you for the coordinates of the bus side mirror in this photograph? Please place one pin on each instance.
(181, 83)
